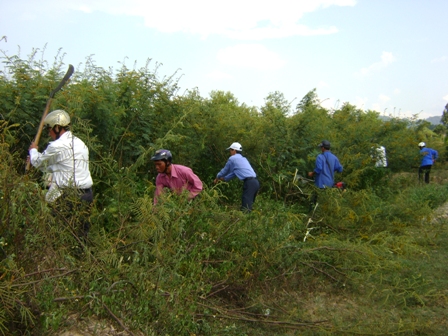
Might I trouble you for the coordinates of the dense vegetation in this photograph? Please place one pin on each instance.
(369, 260)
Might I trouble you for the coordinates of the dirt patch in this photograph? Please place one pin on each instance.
(92, 326)
(440, 214)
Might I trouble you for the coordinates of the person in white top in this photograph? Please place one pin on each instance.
(66, 158)
(379, 156)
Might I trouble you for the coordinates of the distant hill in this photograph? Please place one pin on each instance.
(433, 120)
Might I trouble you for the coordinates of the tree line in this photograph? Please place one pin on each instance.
(124, 115)
(192, 267)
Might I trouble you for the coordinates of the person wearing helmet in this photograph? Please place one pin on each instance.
(66, 158)
(429, 157)
(238, 166)
(174, 176)
(326, 165)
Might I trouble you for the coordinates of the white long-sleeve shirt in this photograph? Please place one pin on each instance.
(67, 159)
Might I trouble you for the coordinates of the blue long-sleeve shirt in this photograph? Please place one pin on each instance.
(326, 164)
(429, 155)
(238, 166)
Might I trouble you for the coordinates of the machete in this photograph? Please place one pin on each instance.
(64, 80)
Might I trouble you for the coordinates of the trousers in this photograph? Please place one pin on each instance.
(424, 170)
(250, 189)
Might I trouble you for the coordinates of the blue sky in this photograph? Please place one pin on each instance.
(385, 55)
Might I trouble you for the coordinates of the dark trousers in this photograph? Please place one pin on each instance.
(313, 198)
(74, 207)
(250, 190)
(424, 170)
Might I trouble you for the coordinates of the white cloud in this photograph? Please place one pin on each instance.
(250, 55)
(445, 97)
(322, 84)
(260, 33)
(248, 19)
(386, 59)
(397, 91)
(440, 59)
(377, 107)
(344, 2)
(360, 102)
(85, 9)
(384, 98)
(410, 114)
(218, 75)
(327, 103)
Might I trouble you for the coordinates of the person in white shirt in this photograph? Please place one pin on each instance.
(66, 158)
(379, 156)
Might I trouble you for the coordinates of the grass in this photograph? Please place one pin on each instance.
(363, 263)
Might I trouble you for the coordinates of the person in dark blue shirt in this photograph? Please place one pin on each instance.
(326, 165)
(238, 166)
(429, 158)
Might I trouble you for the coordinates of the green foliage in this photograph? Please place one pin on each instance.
(357, 263)
(444, 118)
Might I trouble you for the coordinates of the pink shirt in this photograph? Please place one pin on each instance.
(181, 178)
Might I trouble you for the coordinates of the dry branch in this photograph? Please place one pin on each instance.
(228, 315)
(37, 281)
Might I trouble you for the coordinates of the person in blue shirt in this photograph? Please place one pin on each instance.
(326, 165)
(429, 158)
(238, 166)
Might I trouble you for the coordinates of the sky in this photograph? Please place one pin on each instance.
(390, 56)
